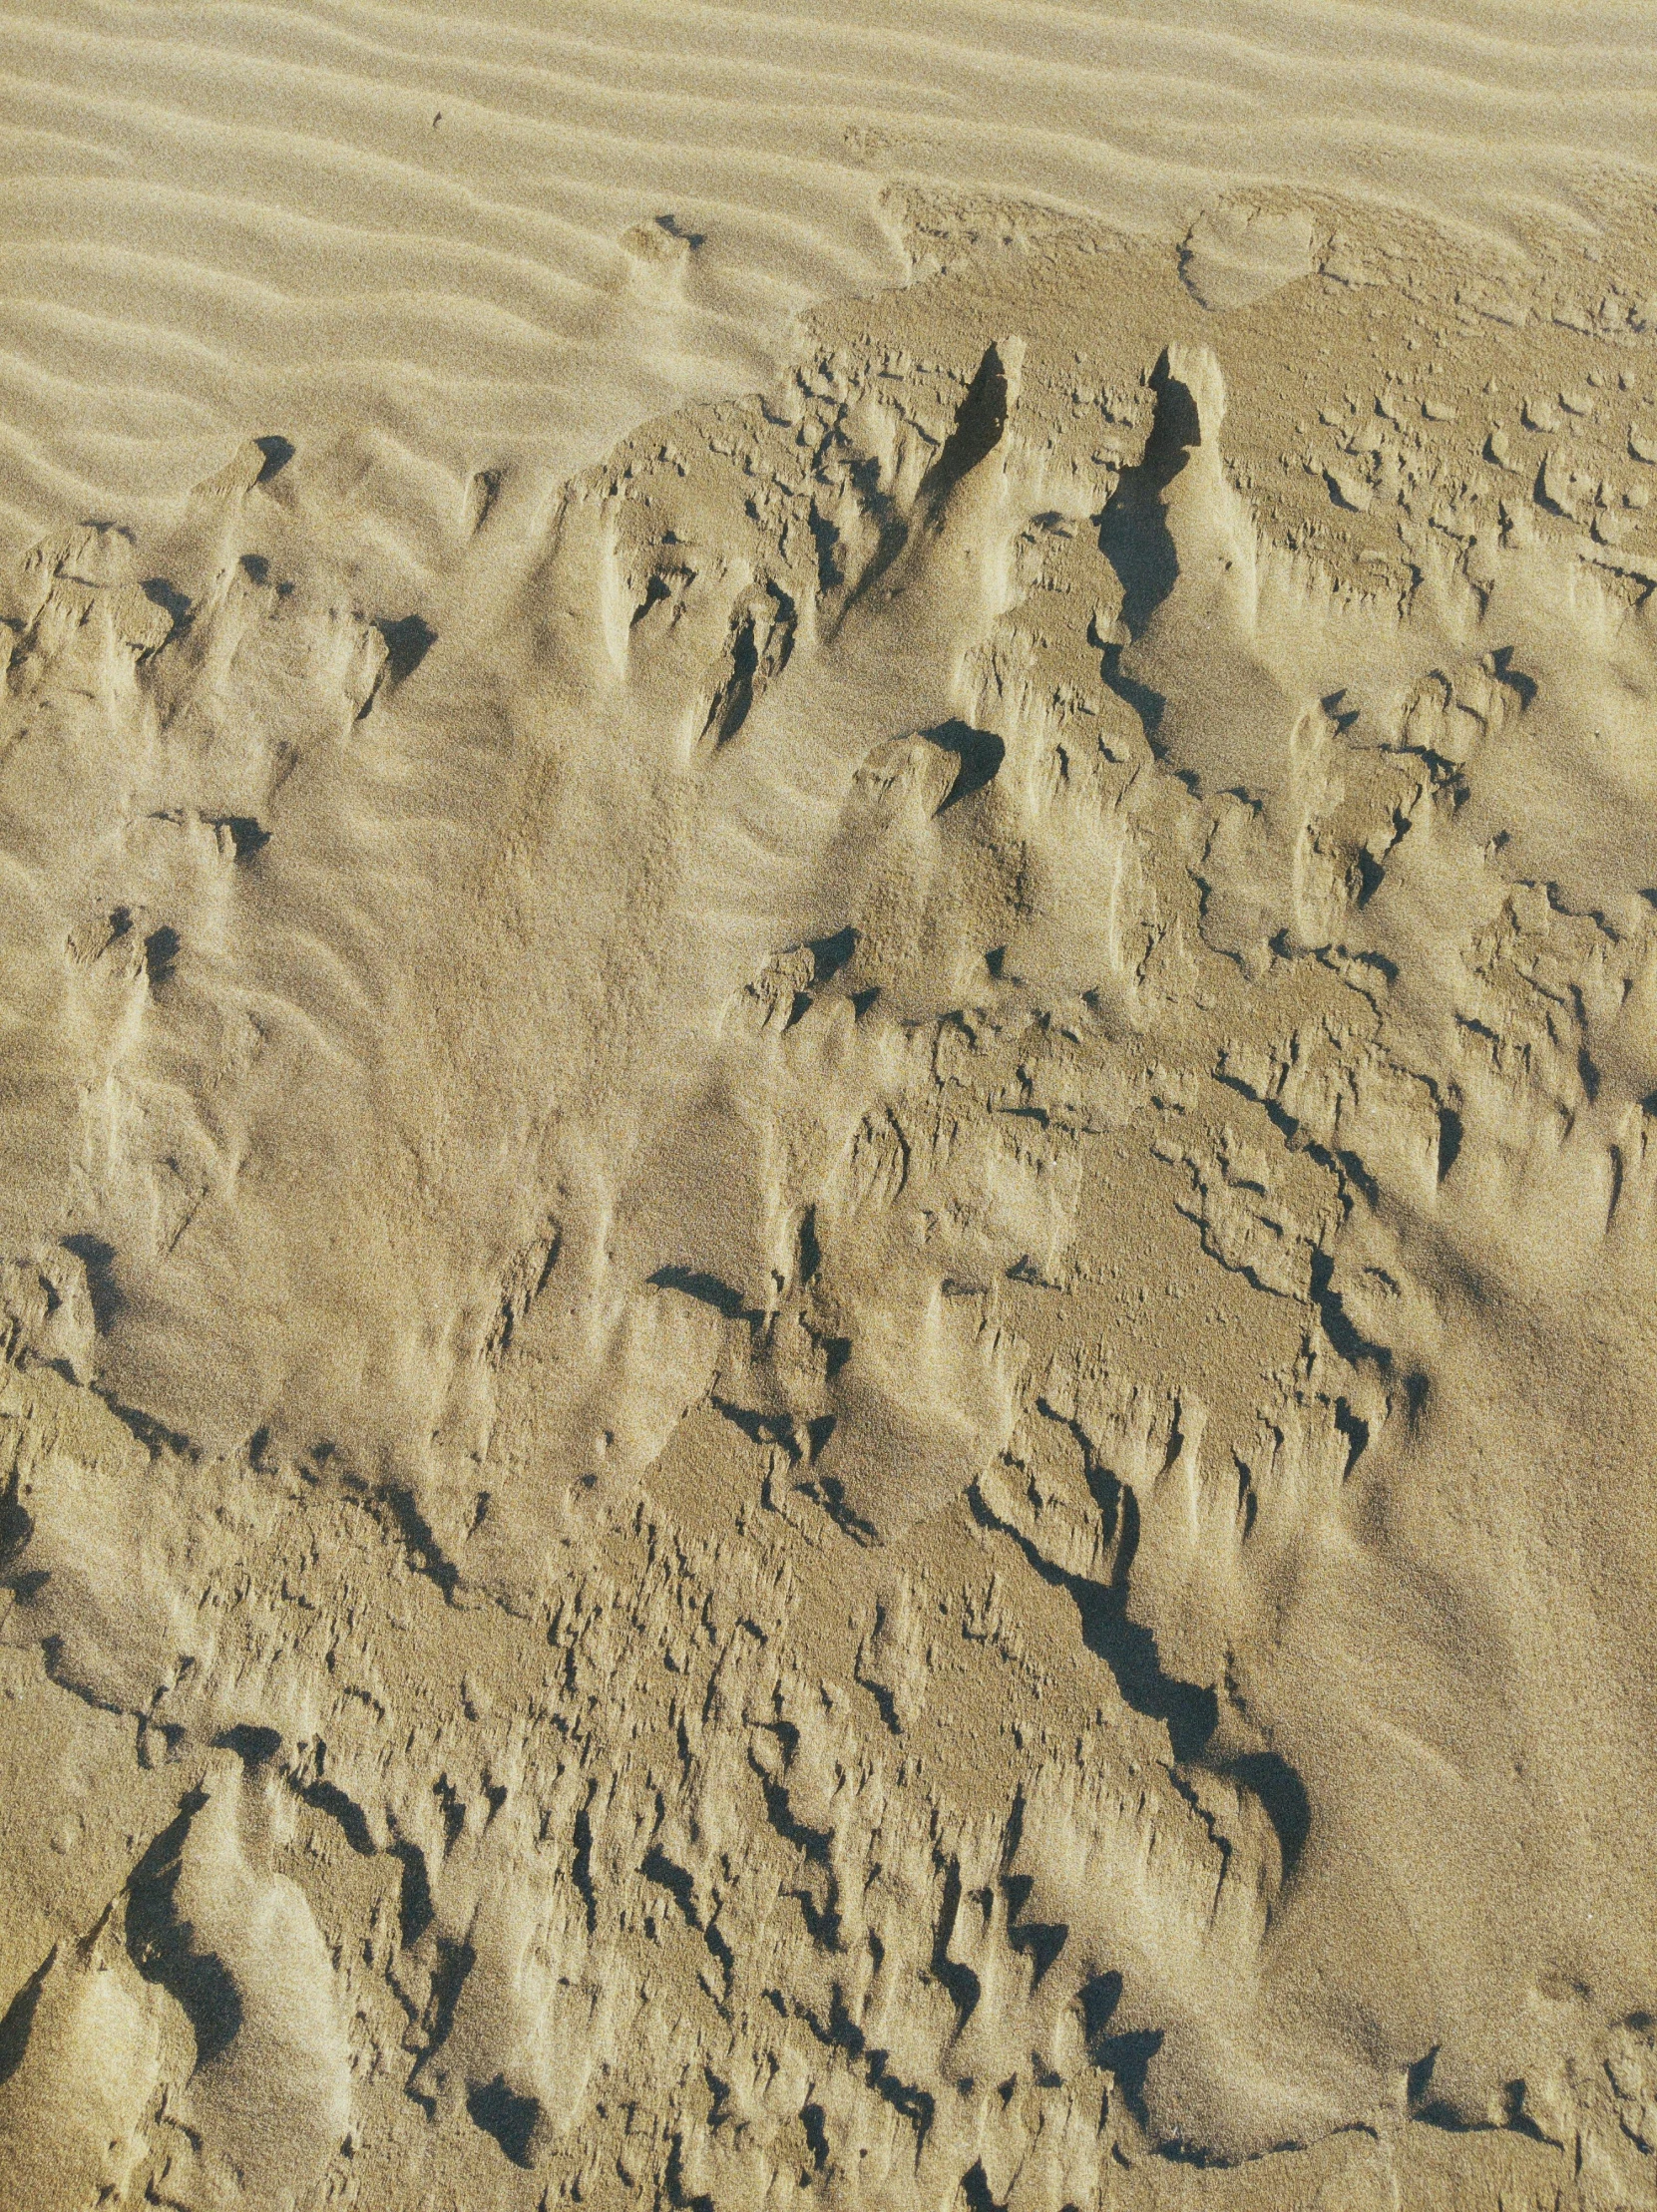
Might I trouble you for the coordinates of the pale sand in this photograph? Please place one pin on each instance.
(830, 1053)
(222, 218)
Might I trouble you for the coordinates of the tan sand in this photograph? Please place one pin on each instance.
(829, 952)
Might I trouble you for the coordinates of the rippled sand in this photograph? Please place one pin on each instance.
(830, 1052)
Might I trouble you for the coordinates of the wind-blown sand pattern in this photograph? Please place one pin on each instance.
(830, 1145)
(436, 236)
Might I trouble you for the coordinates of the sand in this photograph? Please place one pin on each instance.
(828, 937)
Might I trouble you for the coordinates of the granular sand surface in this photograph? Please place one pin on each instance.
(828, 939)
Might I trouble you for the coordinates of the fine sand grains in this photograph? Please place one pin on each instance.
(827, 1177)
(509, 233)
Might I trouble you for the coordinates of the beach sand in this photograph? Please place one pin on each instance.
(828, 939)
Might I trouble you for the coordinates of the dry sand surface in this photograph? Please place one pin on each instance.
(828, 1176)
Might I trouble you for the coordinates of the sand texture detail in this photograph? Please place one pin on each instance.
(827, 1261)
(529, 224)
